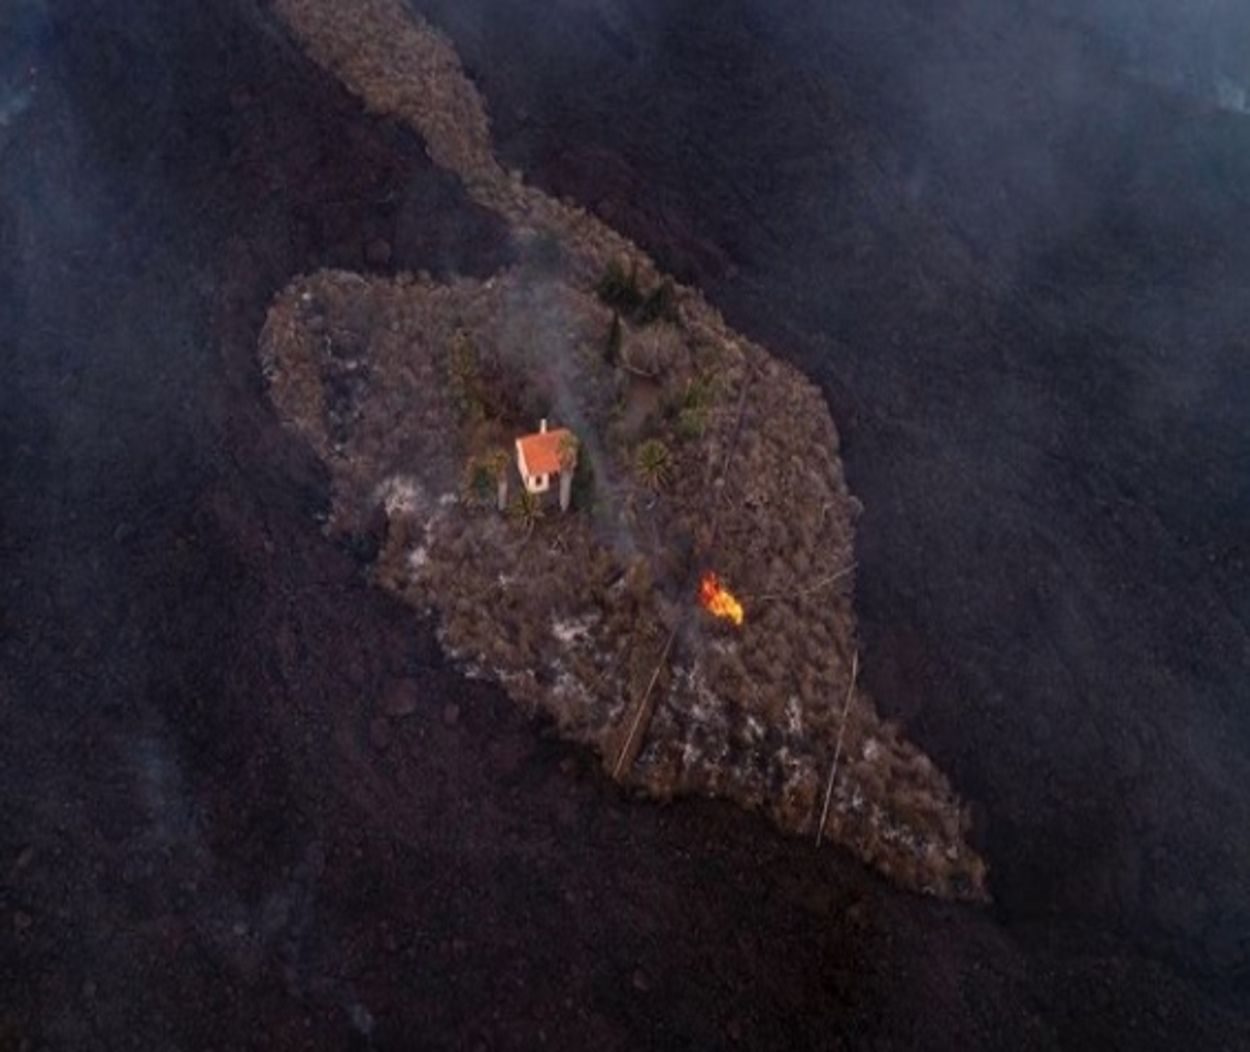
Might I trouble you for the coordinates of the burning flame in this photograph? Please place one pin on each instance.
(718, 600)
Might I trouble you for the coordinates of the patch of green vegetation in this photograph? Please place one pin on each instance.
(526, 509)
(692, 422)
(692, 408)
(653, 464)
(567, 452)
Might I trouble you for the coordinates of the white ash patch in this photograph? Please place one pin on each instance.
(512, 678)
(794, 716)
(692, 695)
(569, 687)
(572, 630)
(794, 769)
(400, 495)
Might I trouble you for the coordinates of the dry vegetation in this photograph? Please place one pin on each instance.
(698, 451)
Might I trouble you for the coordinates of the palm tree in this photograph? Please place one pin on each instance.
(526, 510)
(568, 465)
(653, 464)
(497, 462)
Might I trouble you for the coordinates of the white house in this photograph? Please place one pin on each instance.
(545, 455)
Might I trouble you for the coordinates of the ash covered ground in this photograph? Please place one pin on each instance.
(213, 838)
(407, 388)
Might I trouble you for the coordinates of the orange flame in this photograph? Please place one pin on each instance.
(718, 600)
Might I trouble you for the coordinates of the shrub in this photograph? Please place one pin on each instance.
(619, 289)
(653, 464)
(485, 477)
(654, 352)
(692, 421)
(526, 509)
(692, 406)
(569, 447)
(479, 482)
(659, 305)
(464, 378)
(700, 391)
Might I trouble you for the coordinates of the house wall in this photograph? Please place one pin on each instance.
(533, 483)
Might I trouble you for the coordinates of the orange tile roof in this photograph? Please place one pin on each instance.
(542, 450)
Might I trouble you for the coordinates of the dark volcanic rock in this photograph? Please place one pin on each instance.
(400, 698)
(380, 733)
(181, 712)
(378, 252)
(1041, 409)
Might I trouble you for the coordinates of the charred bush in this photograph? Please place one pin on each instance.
(618, 288)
